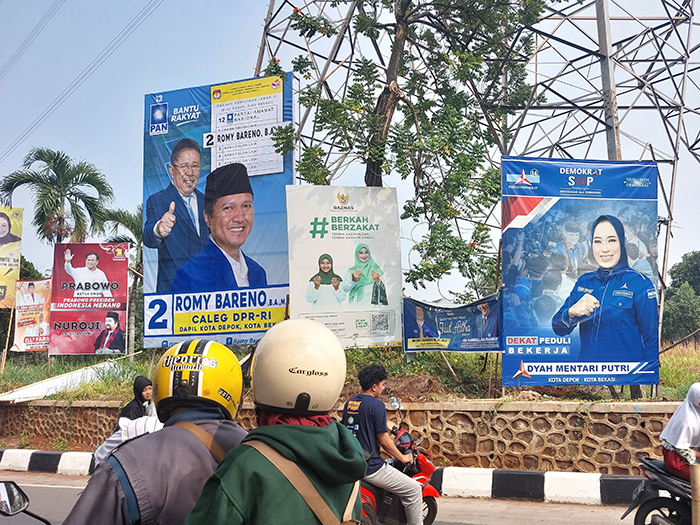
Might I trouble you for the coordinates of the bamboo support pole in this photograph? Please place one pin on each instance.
(7, 342)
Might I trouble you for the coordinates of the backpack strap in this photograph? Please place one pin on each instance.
(206, 438)
(304, 487)
(347, 515)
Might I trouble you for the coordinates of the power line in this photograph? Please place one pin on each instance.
(118, 40)
(31, 37)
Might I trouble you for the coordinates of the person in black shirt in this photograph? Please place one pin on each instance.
(365, 416)
(141, 405)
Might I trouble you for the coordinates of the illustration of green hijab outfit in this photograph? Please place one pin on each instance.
(358, 289)
(325, 297)
(326, 277)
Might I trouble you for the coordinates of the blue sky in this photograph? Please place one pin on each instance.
(178, 46)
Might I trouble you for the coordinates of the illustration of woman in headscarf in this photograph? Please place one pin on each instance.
(363, 282)
(324, 291)
(6, 236)
(9, 260)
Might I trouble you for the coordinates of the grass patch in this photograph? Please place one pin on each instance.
(114, 383)
(680, 367)
(59, 444)
(472, 379)
(23, 441)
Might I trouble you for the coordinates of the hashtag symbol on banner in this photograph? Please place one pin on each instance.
(315, 230)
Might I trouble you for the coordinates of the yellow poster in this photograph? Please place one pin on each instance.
(32, 315)
(10, 251)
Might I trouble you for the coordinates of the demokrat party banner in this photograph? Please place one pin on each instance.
(33, 302)
(220, 272)
(579, 272)
(10, 253)
(470, 328)
(345, 261)
(88, 298)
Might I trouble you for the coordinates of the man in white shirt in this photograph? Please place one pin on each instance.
(229, 213)
(90, 281)
(31, 298)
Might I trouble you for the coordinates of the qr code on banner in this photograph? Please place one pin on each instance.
(379, 324)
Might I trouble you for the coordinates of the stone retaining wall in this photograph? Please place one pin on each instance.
(85, 422)
(548, 436)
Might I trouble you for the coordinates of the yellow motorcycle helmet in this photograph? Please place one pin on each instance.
(198, 373)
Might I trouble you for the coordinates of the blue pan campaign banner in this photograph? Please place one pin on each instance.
(579, 272)
(470, 328)
(196, 264)
(345, 261)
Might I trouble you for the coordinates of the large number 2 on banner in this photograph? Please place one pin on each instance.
(156, 323)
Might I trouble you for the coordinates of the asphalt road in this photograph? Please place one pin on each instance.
(472, 511)
(52, 496)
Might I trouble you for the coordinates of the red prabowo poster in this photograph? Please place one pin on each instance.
(88, 299)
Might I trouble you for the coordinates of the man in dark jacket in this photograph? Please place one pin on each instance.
(111, 339)
(298, 371)
(229, 213)
(157, 478)
(175, 215)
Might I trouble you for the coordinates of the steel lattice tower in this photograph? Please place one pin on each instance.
(617, 76)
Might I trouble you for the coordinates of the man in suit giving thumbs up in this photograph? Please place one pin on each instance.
(175, 223)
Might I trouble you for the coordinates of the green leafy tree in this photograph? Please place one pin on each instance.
(681, 314)
(27, 270)
(682, 304)
(430, 113)
(69, 196)
(127, 227)
(686, 271)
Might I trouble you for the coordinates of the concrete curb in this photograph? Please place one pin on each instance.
(554, 487)
(72, 463)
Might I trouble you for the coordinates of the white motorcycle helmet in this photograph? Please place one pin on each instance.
(298, 368)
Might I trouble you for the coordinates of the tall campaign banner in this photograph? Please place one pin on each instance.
(579, 272)
(33, 302)
(345, 261)
(195, 285)
(10, 253)
(470, 328)
(88, 298)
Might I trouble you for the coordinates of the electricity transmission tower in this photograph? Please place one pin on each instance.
(613, 79)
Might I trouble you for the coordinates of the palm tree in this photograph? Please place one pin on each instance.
(133, 224)
(69, 196)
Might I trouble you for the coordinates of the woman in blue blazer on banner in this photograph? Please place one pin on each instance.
(614, 306)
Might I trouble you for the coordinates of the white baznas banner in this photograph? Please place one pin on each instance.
(345, 261)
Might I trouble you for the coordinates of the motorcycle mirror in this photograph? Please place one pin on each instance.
(12, 499)
(394, 403)
(419, 441)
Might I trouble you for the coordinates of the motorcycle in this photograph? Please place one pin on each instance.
(382, 507)
(653, 508)
(13, 500)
